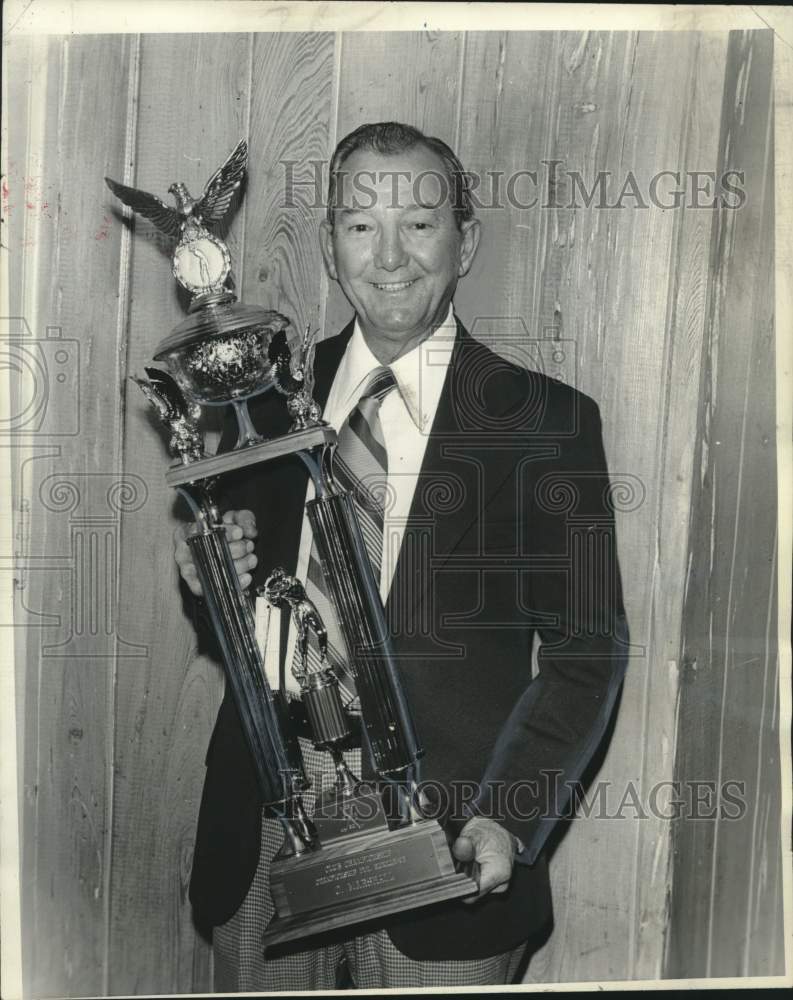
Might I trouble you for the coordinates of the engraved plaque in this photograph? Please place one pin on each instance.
(351, 870)
(365, 877)
(337, 816)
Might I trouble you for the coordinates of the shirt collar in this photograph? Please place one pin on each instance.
(419, 374)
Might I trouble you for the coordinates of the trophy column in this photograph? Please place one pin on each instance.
(388, 724)
(262, 713)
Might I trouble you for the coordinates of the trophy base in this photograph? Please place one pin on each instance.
(363, 877)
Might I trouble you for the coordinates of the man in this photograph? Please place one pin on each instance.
(496, 526)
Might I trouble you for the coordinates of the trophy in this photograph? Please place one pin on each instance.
(354, 859)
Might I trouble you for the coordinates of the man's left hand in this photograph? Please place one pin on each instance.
(492, 848)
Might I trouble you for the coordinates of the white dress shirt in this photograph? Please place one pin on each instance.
(406, 417)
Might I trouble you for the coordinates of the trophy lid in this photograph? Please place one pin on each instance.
(221, 351)
(217, 316)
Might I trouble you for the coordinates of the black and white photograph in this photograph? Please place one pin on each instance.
(397, 469)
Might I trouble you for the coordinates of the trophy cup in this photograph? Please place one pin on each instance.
(353, 860)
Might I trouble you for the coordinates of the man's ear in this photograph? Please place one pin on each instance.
(471, 233)
(326, 246)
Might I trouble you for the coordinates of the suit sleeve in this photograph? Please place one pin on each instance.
(575, 600)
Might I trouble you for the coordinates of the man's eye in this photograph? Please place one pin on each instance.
(422, 225)
(358, 227)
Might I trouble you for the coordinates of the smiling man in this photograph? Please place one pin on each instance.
(394, 242)
(474, 556)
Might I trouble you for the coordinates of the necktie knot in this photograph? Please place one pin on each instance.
(378, 385)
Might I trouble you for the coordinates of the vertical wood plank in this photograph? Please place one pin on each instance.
(725, 915)
(20, 56)
(167, 699)
(292, 84)
(68, 473)
(689, 257)
(411, 77)
(510, 91)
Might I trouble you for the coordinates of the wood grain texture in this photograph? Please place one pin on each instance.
(725, 918)
(292, 86)
(66, 479)
(509, 89)
(165, 702)
(21, 92)
(677, 416)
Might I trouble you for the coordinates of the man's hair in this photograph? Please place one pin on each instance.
(388, 138)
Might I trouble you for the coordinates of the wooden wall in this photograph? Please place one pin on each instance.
(659, 315)
(726, 899)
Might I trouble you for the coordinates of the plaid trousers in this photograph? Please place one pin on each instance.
(240, 962)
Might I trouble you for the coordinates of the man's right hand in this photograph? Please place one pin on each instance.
(240, 531)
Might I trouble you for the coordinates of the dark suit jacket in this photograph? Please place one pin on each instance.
(510, 533)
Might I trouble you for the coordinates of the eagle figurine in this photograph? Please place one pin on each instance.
(178, 416)
(293, 377)
(201, 261)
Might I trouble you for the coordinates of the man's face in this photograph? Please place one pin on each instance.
(395, 248)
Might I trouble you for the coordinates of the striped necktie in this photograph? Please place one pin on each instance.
(361, 467)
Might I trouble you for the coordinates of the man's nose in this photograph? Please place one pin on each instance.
(389, 250)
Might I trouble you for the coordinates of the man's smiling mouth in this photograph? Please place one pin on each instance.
(393, 286)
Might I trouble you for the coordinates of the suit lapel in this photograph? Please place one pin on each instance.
(327, 360)
(460, 475)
